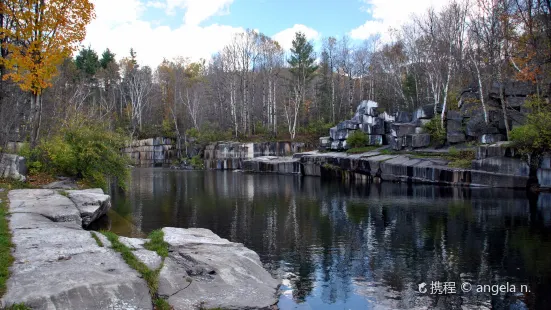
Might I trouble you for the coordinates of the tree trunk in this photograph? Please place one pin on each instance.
(36, 118)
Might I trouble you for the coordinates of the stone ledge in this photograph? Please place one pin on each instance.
(59, 265)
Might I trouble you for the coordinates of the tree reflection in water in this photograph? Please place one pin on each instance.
(359, 246)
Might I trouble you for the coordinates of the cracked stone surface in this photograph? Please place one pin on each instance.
(58, 265)
(204, 270)
(91, 203)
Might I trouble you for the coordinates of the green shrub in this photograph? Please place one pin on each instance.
(438, 134)
(196, 162)
(88, 152)
(356, 139)
(534, 138)
(317, 127)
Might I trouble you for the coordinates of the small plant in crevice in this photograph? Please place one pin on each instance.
(157, 243)
(98, 241)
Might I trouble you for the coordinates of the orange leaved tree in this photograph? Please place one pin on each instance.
(43, 33)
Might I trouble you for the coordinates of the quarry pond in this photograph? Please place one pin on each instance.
(360, 246)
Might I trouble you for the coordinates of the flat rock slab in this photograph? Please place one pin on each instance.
(46, 202)
(58, 265)
(91, 203)
(206, 271)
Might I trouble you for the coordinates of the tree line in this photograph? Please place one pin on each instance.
(252, 86)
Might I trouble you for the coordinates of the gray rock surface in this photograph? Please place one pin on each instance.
(58, 265)
(62, 184)
(46, 202)
(13, 167)
(151, 259)
(418, 140)
(456, 137)
(425, 112)
(204, 270)
(91, 203)
(402, 129)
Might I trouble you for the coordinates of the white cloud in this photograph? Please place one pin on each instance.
(120, 26)
(285, 37)
(387, 14)
(156, 4)
(198, 10)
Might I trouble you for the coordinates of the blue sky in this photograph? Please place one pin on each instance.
(195, 29)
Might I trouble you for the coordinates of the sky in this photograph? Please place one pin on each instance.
(158, 29)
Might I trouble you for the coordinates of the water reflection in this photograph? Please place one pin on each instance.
(358, 246)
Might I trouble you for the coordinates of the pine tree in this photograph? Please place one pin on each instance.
(106, 58)
(302, 69)
(87, 61)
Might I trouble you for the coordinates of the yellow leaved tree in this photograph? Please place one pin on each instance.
(42, 35)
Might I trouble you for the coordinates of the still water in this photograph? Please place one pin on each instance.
(358, 246)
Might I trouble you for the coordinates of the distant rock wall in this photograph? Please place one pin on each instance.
(231, 155)
(496, 165)
(13, 167)
(405, 130)
(153, 152)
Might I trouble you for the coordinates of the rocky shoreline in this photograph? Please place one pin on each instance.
(495, 166)
(60, 265)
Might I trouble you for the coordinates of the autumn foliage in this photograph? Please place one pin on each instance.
(42, 34)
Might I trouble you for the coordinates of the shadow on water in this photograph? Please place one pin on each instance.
(340, 246)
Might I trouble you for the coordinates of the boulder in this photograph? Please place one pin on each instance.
(470, 109)
(454, 125)
(456, 137)
(333, 133)
(491, 138)
(325, 142)
(417, 140)
(455, 115)
(342, 134)
(388, 127)
(402, 129)
(204, 270)
(424, 112)
(375, 140)
(377, 128)
(347, 125)
(387, 117)
(515, 102)
(336, 145)
(516, 88)
(13, 167)
(403, 117)
(357, 119)
(369, 119)
(365, 106)
(476, 126)
(91, 203)
(499, 149)
(397, 143)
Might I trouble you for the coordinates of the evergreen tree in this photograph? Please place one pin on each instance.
(302, 69)
(87, 61)
(302, 60)
(106, 58)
